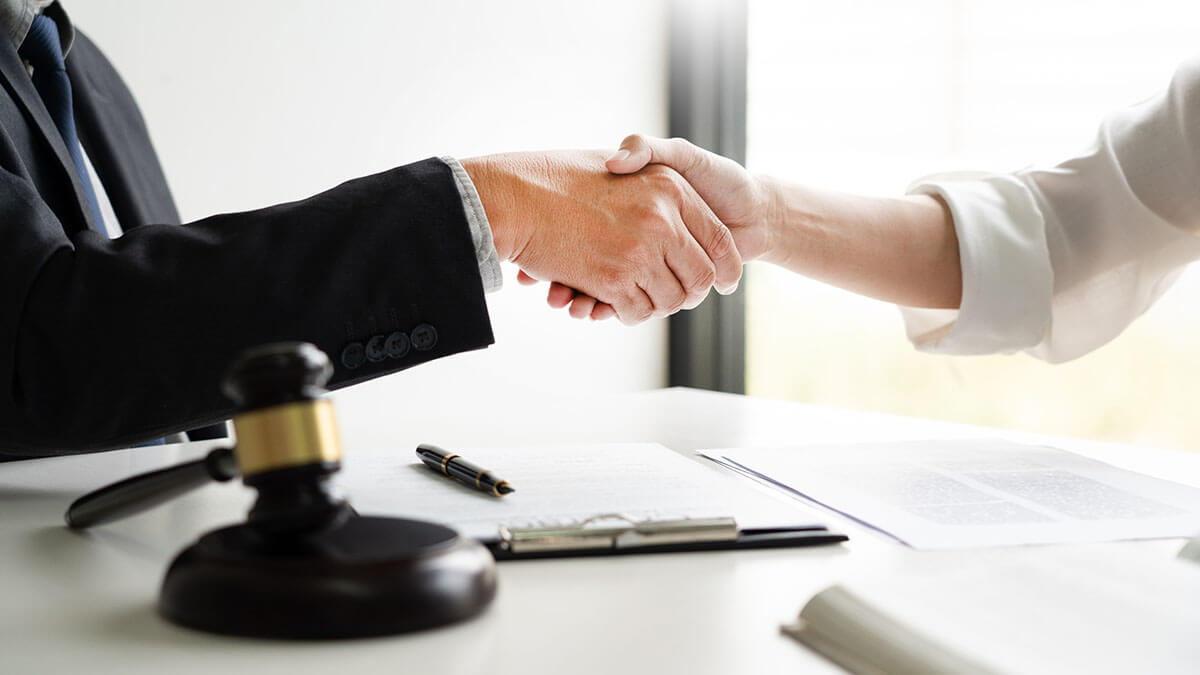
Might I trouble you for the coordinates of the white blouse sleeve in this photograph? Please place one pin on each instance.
(1058, 261)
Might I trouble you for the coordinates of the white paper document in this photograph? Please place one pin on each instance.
(559, 486)
(956, 494)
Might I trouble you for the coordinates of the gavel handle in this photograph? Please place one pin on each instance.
(138, 493)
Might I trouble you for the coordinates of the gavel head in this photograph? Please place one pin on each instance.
(287, 437)
(273, 374)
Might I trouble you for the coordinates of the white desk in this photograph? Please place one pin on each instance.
(85, 603)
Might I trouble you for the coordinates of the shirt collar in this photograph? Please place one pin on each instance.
(17, 15)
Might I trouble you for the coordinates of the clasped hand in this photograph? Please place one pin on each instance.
(634, 246)
(631, 237)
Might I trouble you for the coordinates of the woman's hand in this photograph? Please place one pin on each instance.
(645, 244)
(739, 199)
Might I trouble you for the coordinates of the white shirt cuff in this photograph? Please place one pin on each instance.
(481, 230)
(1007, 281)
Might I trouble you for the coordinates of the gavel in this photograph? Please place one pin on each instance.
(304, 565)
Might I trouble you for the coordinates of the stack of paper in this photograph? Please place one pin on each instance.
(954, 494)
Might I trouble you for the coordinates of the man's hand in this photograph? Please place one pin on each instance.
(642, 245)
(737, 198)
(735, 195)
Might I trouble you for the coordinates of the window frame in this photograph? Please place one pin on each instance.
(707, 105)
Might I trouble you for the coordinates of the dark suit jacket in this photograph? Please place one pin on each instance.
(104, 343)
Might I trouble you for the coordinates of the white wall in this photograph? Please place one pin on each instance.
(253, 103)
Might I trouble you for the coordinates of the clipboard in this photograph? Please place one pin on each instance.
(590, 500)
(618, 534)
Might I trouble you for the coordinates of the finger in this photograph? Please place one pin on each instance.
(666, 291)
(636, 151)
(634, 307)
(582, 306)
(692, 268)
(714, 238)
(603, 311)
(525, 279)
(633, 155)
(559, 296)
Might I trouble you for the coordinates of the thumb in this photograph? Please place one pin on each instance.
(633, 156)
(637, 151)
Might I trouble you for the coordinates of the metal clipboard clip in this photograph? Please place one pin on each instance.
(597, 533)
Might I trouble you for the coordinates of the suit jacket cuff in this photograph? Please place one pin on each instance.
(481, 230)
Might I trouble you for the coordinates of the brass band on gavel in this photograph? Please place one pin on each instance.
(291, 434)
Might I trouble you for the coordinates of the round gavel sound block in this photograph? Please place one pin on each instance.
(368, 576)
(305, 565)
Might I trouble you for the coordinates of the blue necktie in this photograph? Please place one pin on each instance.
(43, 51)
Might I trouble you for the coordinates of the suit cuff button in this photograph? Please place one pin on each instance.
(396, 345)
(353, 355)
(375, 349)
(424, 337)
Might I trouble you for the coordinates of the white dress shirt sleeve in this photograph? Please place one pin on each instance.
(1058, 261)
(481, 229)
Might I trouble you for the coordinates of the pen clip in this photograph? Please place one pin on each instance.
(631, 533)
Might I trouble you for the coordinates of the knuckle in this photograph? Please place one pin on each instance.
(684, 149)
(633, 139)
(648, 215)
(721, 245)
(632, 312)
(611, 279)
(672, 188)
(675, 302)
(655, 231)
(703, 279)
(659, 177)
(634, 253)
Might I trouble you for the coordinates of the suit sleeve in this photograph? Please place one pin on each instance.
(104, 343)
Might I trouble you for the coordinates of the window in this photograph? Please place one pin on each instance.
(866, 96)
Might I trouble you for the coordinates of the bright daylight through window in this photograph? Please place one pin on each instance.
(867, 96)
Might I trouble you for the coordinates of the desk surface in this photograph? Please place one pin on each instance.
(85, 603)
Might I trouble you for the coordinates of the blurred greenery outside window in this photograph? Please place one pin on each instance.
(868, 95)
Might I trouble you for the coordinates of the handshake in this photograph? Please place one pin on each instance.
(641, 234)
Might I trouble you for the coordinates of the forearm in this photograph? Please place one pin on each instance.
(901, 250)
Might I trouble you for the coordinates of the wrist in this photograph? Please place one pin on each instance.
(494, 183)
(802, 224)
(772, 217)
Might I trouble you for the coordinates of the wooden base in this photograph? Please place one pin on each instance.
(368, 576)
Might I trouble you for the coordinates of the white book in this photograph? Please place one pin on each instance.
(1094, 609)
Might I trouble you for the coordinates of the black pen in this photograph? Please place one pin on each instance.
(458, 468)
